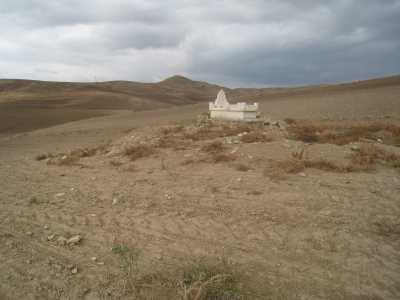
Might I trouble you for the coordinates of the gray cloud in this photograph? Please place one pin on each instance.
(253, 42)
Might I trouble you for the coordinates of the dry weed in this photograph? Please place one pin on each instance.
(256, 137)
(211, 281)
(368, 155)
(213, 147)
(139, 151)
(216, 131)
(342, 134)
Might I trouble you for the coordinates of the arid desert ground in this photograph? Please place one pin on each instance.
(124, 190)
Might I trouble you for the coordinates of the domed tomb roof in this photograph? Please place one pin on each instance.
(221, 100)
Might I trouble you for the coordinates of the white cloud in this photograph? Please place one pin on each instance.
(232, 42)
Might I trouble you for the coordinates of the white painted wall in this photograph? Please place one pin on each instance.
(233, 115)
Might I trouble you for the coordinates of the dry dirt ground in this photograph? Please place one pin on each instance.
(162, 205)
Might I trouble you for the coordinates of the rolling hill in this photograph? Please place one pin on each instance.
(27, 105)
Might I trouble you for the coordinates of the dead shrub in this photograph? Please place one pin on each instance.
(295, 166)
(86, 152)
(291, 166)
(138, 151)
(255, 137)
(324, 165)
(213, 147)
(343, 134)
(299, 154)
(216, 131)
(72, 157)
(369, 155)
(168, 130)
(307, 134)
(171, 142)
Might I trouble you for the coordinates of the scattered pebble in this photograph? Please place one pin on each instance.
(115, 201)
(60, 195)
(94, 258)
(62, 241)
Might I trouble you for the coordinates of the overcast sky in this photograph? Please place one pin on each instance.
(235, 42)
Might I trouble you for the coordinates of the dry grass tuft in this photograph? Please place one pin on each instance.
(213, 147)
(255, 137)
(217, 152)
(368, 155)
(363, 160)
(168, 130)
(291, 166)
(73, 157)
(171, 142)
(342, 134)
(211, 281)
(216, 131)
(139, 151)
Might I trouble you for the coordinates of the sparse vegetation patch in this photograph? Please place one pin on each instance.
(138, 151)
(343, 133)
(211, 281)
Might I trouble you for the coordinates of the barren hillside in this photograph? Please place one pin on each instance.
(27, 105)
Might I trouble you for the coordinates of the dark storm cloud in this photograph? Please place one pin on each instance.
(232, 42)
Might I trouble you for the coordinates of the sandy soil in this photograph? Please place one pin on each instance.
(317, 234)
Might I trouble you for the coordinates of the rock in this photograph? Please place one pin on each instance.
(74, 240)
(94, 258)
(74, 270)
(30, 233)
(302, 174)
(115, 201)
(60, 195)
(355, 148)
(46, 227)
(51, 237)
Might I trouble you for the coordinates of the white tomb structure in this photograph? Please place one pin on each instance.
(222, 109)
